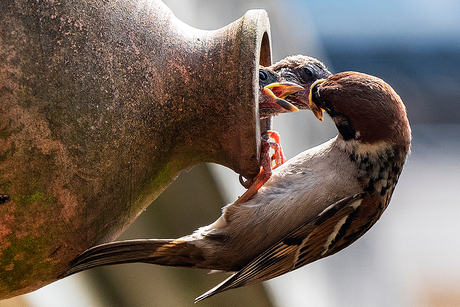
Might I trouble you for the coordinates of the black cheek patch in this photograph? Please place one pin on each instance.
(346, 130)
(327, 105)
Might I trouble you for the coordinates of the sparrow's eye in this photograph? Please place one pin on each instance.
(262, 75)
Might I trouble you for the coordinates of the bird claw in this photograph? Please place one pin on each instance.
(278, 158)
(278, 155)
(245, 183)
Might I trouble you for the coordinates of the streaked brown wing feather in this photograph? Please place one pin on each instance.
(363, 219)
(302, 246)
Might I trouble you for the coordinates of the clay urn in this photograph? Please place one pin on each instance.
(102, 104)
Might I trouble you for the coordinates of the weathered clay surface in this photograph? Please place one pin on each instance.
(102, 103)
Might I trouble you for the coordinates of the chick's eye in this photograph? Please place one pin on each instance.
(262, 75)
(307, 72)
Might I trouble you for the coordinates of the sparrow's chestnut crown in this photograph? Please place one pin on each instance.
(363, 107)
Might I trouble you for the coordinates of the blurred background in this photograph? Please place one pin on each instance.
(411, 257)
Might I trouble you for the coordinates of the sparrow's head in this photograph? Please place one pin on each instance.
(302, 70)
(364, 108)
(272, 93)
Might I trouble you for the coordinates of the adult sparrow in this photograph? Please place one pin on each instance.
(312, 206)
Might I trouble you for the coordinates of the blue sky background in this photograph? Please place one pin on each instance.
(413, 45)
(411, 20)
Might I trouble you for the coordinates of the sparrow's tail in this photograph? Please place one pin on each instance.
(176, 252)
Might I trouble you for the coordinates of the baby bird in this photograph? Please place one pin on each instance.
(298, 70)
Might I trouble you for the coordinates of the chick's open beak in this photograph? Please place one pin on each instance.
(313, 99)
(284, 89)
(277, 91)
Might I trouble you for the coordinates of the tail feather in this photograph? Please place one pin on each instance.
(176, 252)
(227, 284)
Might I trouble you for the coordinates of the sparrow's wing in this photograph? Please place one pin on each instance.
(333, 229)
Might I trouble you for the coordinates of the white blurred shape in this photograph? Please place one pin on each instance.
(75, 291)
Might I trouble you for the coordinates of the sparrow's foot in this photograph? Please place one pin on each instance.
(266, 162)
(278, 155)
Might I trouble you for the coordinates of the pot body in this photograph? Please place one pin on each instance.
(102, 103)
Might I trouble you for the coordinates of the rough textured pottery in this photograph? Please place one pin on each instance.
(102, 104)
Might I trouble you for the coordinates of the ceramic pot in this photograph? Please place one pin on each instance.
(102, 104)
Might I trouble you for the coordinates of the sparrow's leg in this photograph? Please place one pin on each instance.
(278, 155)
(266, 162)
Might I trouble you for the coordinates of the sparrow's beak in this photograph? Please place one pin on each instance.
(277, 91)
(313, 99)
